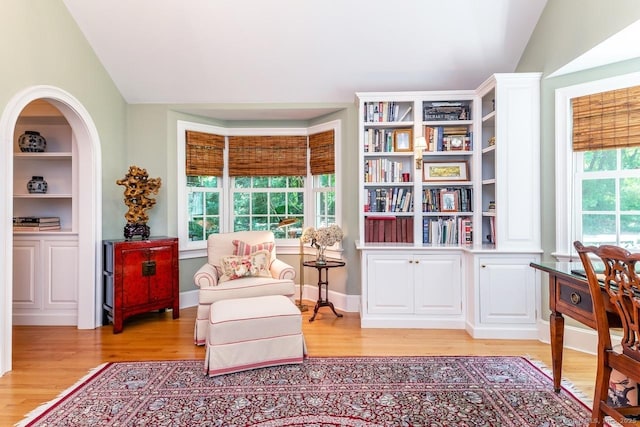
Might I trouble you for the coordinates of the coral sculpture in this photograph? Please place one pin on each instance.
(138, 189)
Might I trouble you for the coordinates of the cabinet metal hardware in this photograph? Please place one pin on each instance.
(148, 268)
(575, 298)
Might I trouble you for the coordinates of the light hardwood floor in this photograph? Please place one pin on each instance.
(48, 360)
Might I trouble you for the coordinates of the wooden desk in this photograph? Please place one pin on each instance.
(568, 295)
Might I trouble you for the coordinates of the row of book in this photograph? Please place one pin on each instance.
(36, 223)
(447, 231)
(448, 138)
(396, 199)
(379, 141)
(448, 110)
(388, 229)
(383, 170)
(384, 112)
(458, 198)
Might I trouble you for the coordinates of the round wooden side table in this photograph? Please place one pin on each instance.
(323, 267)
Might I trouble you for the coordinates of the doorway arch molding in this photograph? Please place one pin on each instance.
(87, 140)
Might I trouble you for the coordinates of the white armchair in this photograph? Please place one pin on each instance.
(212, 289)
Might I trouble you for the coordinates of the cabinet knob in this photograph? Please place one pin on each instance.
(575, 298)
(483, 266)
(410, 261)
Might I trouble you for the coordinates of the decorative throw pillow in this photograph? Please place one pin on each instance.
(236, 267)
(243, 248)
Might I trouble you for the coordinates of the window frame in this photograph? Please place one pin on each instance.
(565, 158)
(196, 249)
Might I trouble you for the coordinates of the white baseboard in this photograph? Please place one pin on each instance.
(342, 302)
(575, 337)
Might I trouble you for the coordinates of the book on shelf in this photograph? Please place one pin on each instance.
(447, 111)
(448, 138)
(447, 230)
(35, 219)
(395, 199)
(36, 228)
(381, 111)
(388, 229)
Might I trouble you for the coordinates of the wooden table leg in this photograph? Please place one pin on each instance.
(556, 326)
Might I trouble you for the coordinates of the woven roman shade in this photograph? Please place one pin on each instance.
(607, 120)
(277, 155)
(322, 157)
(204, 154)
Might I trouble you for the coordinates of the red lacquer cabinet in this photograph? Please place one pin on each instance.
(139, 276)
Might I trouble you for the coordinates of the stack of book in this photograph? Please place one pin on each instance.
(36, 223)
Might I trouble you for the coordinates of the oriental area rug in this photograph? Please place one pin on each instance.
(326, 391)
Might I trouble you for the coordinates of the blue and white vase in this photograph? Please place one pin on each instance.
(32, 142)
(37, 185)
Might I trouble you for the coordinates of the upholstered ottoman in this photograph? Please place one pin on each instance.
(248, 333)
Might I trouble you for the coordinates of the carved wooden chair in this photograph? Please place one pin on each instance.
(622, 284)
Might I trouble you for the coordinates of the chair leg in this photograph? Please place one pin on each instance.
(601, 394)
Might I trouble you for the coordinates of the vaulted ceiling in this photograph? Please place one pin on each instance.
(254, 52)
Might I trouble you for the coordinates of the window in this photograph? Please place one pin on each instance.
(260, 203)
(607, 197)
(596, 187)
(246, 192)
(203, 205)
(325, 200)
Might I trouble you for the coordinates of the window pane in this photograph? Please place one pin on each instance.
(630, 231)
(196, 231)
(212, 201)
(598, 229)
(241, 223)
(278, 204)
(598, 195)
(296, 182)
(202, 181)
(259, 203)
(296, 204)
(602, 160)
(630, 194)
(260, 223)
(630, 158)
(260, 182)
(241, 203)
(279, 182)
(196, 207)
(212, 226)
(242, 182)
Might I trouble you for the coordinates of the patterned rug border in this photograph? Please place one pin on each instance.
(42, 410)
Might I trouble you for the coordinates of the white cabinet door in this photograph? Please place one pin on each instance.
(507, 291)
(45, 279)
(438, 284)
(390, 284)
(61, 274)
(26, 275)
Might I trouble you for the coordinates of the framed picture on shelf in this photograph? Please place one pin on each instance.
(403, 140)
(448, 201)
(445, 171)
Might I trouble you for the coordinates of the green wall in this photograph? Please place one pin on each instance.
(566, 30)
(40, 44)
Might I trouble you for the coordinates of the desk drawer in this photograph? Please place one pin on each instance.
(574, 301)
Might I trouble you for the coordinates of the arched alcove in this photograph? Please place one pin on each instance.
(89, 196)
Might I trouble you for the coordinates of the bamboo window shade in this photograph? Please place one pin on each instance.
(204, 154)
(273, 155)
(322, 157)
(607, 120)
